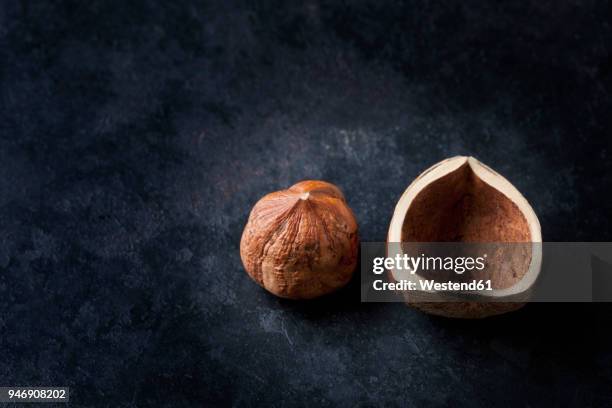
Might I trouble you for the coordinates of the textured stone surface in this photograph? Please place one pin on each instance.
(135, 137)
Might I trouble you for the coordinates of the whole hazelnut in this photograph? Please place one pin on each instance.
(302, 242)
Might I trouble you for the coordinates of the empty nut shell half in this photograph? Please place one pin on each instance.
(462, 200)
(302, 242)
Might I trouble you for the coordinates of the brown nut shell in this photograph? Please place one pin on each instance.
(302, 242)
(462, 200)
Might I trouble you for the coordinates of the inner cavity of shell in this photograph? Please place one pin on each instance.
(460, 207)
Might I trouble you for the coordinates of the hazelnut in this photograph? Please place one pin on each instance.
(302, 242)
(462, 200)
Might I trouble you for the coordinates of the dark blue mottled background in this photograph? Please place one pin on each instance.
(135, 137)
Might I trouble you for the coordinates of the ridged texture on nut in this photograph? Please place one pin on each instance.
(302, 242)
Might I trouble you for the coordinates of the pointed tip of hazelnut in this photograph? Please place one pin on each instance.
(304, 196)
